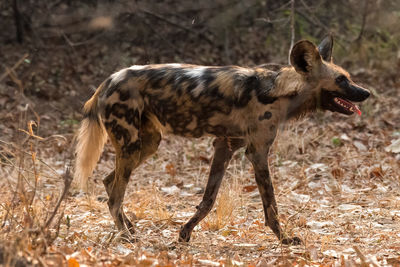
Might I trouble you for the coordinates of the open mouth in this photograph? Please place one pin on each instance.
(338, 103)
(347, 105)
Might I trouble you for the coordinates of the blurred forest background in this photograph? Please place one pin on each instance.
(72, 46)
(53, 54)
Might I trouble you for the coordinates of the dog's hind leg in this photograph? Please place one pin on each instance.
(109, 187)
(224, 149)
(116, 182)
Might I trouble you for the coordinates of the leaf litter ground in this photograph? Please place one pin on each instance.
(336, 186)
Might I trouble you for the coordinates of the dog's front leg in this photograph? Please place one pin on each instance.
(258, 155)
(224, 149)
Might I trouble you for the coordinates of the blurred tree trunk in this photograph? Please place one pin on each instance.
(18, 22)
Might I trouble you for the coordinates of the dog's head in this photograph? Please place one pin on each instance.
(335, 89)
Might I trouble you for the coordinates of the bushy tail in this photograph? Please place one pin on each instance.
(91, 138)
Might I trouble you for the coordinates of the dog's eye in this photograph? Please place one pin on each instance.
(341, 79)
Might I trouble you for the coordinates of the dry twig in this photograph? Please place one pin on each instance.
(16, 65)
(67, 184)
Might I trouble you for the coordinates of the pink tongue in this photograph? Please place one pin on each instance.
(355, 108)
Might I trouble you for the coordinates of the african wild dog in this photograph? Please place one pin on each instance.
(241, 107)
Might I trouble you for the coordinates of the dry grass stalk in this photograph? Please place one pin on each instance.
(225, 205)
(27, 225)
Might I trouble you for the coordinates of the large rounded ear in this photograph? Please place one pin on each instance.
(325, 48)
(304, 57)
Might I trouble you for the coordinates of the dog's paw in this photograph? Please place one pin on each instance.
(291, 241)
(184, 236)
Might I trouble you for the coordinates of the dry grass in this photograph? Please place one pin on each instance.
(150, 204)
(225, 205)
(336, 186)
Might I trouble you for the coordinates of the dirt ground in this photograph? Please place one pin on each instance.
(336, 178)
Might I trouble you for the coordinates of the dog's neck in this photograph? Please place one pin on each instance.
(301, 94)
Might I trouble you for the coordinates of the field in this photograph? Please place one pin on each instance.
(336, 178)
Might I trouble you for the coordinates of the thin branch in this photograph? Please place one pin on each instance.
(292, 27)
(29, 154)
(364, 21)
(18, 22)
(163, 38)
(226, 46)
(16, 65)
(88, 41)
(176, 24)
(67, 183)
(311, 18)
(282, 7)
(269, 21)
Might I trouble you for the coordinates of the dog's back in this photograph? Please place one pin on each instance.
(187, 100)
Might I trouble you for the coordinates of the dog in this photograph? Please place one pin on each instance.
(239, 106)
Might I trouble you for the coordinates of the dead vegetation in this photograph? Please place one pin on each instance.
(337, 188)
(337, 178)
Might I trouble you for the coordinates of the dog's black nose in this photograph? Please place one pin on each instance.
(365, 93)
(357, 93)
